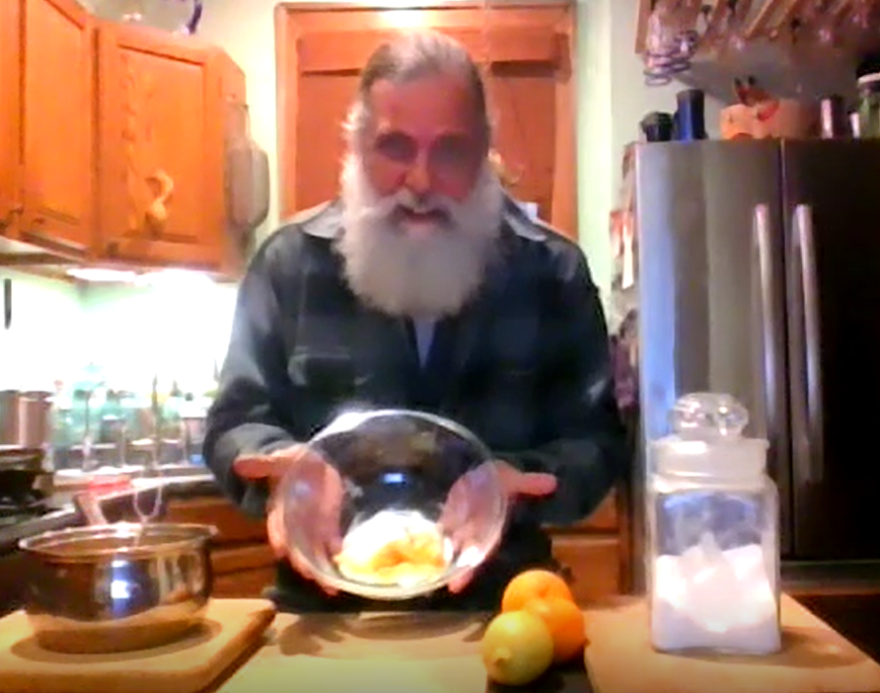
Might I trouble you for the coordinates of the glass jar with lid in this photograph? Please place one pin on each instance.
(869, 106)
(713, 537)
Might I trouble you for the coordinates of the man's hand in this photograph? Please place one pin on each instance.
(319, 478)
(461, 518)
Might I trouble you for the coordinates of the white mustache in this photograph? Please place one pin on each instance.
(434, 203)
(382, 209)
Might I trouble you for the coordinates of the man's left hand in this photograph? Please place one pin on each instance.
(460, 516)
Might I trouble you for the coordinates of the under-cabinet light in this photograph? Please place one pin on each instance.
(174, 278)
(102, 274)
(163, 278)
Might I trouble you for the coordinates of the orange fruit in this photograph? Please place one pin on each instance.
(566, 624)
(533, 584)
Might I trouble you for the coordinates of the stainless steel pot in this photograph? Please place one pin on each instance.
(25, 418)
(119, 587)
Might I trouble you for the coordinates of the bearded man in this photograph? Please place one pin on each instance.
(423, 286)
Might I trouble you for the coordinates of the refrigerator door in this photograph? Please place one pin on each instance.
(832, 210)
(711, 286)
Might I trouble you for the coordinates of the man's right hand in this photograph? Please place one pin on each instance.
(319, 519)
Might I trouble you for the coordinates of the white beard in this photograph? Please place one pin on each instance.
(425, 275)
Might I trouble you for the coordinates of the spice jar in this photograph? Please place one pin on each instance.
(869, 106)
(713, 538)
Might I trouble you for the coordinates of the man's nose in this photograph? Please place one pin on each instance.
(418, 177)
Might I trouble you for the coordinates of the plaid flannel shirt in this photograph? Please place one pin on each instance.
(530, 371)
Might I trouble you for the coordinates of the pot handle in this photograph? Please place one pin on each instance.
(88, 505)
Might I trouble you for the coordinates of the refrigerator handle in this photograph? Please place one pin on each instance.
(805, 250)
(769, 359)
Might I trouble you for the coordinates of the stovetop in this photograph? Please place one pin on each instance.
(26, 514)
(15, 510)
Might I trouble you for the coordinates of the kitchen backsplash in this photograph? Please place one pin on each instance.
(58, 330)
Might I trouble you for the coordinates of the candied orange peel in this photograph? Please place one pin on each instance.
(416, 556)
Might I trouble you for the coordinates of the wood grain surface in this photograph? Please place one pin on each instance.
(814, 659)
(232, 628)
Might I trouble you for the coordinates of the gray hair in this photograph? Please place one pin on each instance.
(409, 56)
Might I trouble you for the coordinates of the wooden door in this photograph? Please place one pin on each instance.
(162, 116)
(57, 125)
(527, 48)
(10, 114)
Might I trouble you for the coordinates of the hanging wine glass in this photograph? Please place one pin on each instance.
(176, 16)
(732, 50)
(794, 44)
(861, 26)
(821, 24)
(671, 41)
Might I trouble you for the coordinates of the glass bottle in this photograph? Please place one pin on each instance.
(713, 538)
(869, 106)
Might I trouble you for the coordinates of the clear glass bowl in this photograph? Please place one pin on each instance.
(394, 504)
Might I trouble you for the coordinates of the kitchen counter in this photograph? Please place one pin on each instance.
(395, 652)
(438, 652)
(421, 652)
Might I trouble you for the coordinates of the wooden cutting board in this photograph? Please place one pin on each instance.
(814, 659)
(232, 629)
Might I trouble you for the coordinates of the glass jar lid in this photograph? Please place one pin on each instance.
(708, 440)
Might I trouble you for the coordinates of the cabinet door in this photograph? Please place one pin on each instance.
(161, 116)
(10, 113)
(57, 125)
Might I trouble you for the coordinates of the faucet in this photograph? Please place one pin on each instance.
(156, 411)
(89, 462)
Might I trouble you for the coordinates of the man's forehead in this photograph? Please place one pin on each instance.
(425, 106)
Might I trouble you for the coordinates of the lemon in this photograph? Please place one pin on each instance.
(516, 648)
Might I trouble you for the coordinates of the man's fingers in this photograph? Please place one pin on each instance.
(334, 543)
(276, 534)
(258, 466)
(531, 484)
(462, 581)
(274, 465)
(300, 566)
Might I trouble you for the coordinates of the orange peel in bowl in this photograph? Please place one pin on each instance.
(406, 554)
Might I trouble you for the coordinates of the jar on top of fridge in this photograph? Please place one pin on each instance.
(869, 106)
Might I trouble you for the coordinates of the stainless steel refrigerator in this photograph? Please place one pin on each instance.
(758, 274)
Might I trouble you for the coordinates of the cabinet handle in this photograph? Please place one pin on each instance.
(157, 212)
(13, 212)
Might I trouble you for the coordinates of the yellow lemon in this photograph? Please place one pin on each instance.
(516, 648)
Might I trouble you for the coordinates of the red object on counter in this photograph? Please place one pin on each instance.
(109, 483)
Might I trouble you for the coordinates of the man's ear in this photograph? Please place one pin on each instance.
(508, 180)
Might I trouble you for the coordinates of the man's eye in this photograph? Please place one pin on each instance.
(396, 147)
(454, 153)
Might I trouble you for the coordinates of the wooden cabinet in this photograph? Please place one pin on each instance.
(163, 111)
(10, 122)
(47, 167)
(593, 553)
(58, 112)
(242, 561)
(113, 151)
